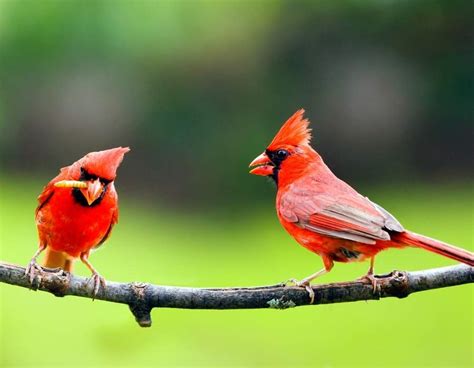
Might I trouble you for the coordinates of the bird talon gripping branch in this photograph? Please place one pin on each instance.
(370, 278)
(97, 281)
(33, 271)
(326, 215)
(302, 284)
(310, 291)
(291, 282)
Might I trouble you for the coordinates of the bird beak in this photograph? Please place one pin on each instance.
(262, 165)
(93, 191)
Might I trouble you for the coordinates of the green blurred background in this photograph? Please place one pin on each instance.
(197, 89)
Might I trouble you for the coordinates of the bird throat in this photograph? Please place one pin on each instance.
(79, 197)
(275, 173)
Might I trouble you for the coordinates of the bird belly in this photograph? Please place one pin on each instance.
(66, 226)
(339, 250)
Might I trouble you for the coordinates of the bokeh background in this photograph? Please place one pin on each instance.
(197, 89)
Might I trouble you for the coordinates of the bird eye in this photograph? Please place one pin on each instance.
(281, 154)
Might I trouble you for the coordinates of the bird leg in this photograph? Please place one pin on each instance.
(33, 266)
(96, 278)
(370, 275)
(306, 282)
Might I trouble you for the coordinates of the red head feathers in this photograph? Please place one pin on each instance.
(103, 164)
(294, 132)
(287, 156)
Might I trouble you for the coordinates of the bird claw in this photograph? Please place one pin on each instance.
(303, 283)
(290, 281)
(33, 270)
(370, 277)
(97, 281)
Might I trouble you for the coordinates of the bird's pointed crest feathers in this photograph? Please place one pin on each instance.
(104, 163)
(294, 132)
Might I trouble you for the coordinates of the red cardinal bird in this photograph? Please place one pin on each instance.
(326, 215)
(77, 211)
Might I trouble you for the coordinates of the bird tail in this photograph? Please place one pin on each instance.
(435, 246)
(53, 259)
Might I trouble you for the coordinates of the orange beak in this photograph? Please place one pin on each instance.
(93, 191)
(262, 165)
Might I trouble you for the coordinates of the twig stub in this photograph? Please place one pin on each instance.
(139, 305)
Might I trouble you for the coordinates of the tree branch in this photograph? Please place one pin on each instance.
(142, 297)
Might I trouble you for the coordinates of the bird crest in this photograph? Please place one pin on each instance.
(294, 132)
(104, 163)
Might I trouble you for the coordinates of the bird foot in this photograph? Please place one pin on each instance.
(370, 277)
(304, 284)
(97, 280)
(33, 271)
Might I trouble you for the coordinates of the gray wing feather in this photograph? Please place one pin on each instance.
(391, 223)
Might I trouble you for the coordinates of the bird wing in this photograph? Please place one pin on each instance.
(113, 221)
(337, 211)
(48, 190)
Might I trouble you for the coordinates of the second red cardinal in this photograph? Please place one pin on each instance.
(77, 211)
(326, 215)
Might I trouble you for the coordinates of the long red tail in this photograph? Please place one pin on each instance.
(435, 246)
